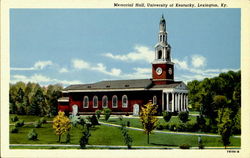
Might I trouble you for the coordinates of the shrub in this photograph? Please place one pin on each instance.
(85, 138)
(191, 127)
(14, 130)
(32, 135)
(128, 123)
(183, 116)
(43, 120)
(160, 127)
(184, 146)
(93, 120)
(181, 127)
(107, 113)
(98, 114)
(19, 123)
(68, 137)
(14, 119)
(38, 124)
(167, 116)
(201, 122)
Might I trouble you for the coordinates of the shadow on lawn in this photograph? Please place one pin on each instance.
(160, 144)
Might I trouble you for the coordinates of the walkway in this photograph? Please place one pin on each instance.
(110, 146)
(167, 132)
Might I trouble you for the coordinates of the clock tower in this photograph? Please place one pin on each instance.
(162, 67)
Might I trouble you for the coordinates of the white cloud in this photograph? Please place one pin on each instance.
(80, 64)
(142, 53)
(39, 65)
(181, 64)
(100, 67)
(41, 79)
(63, 70)
(198, 61)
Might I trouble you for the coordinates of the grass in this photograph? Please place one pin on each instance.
(28, 118)
(105, 135)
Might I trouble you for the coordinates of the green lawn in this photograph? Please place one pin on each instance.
(28, 118)
(105, 135)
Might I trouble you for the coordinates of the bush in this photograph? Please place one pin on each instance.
(98, 114)
(184, 146)
(167, 116)
(68, 137)
(93, 120)
(181, 127)
(201, 122)
(183, 116)
(107, 113)
(14, 130)
(43, 120)
(160, 127)
(14, 119)
(19, 123)
(32, 135)
(38, 124)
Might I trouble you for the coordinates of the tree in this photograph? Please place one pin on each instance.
(61, 124)
(38, 105)
(148, 118)
(127, 138)
(107, 113)
(167, 116)
(225, 125)
(183, 116)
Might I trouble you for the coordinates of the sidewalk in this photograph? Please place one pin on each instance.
(167, 132)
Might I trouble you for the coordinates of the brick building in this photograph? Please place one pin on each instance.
(126, 96)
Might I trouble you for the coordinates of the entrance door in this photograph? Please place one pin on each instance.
(75, 110)
(136, 109)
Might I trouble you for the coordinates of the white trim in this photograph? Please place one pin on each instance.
(155, 99)
(84, 106)
(105, 90)
(116, 101)
(94, 102)
(125, 106)
(61, 100)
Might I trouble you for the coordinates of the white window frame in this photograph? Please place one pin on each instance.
(114, 96)
(124, 105)
(155, 100)
(94, 102)
(86, 106)
(103, 101)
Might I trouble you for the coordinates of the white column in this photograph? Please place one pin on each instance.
(187, 104)
(178, 102)
(173, 102)
(184, 102)
(167, 96)
(181, 101)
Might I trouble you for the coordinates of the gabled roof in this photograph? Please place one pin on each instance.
(121, 84)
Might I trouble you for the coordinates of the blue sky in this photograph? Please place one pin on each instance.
(71, 46)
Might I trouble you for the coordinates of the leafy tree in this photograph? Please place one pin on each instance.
(107, 113)
(85, 137)
(38, 105)
(201, 122)
(93, 120)
(127, 138)
(32, 135)
(61, 124)
(183, 116)
(167, 115)
(98, 114)
(225, 125)
(148, 118)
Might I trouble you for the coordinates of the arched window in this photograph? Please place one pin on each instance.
(95, 102)
(124, 101)
(159, 54)
(85, 102)
(154, 100)
(105, 101)
(114, 101)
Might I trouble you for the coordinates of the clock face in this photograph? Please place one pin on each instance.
(170, 71)
(158, 71)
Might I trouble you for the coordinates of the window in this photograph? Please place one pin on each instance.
(85, 102)
(154, 100)
(159, 54)
(95, 102)
(105, 101)
(124, 101)
(114, 101)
